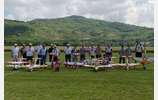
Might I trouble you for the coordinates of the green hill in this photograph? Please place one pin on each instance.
(73, 29)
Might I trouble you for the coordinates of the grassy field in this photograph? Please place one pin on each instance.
(80, 84)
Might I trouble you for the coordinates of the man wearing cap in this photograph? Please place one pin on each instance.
(15, 52)
(30, 53)
(67, 52)
(50, 52)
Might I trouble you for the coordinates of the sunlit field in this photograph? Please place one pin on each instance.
(79, 84)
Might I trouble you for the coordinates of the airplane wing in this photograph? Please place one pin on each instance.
(137, 59)
(150, 59)
(130, 64)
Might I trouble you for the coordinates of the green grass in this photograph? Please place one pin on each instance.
(81, 84)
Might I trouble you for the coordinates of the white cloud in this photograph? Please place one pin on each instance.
(138, 12)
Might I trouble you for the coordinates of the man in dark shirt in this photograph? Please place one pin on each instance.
(129, 53)
(50, 52)
(122, 54)
(98, 51)
(82, 53)
(23, 51)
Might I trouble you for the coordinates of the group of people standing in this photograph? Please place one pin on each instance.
(74, 54)
(71, 53)
(28, 53)
(139, 51)
(25, 52)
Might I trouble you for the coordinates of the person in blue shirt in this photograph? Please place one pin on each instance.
(38, 48)
(43, 53)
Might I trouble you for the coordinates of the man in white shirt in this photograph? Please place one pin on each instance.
(15, 52)
(30, 53)
(55, 51)
(108, 52)
(67, 52)
(139, 49)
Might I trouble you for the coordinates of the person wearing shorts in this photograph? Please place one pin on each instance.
(139, 50)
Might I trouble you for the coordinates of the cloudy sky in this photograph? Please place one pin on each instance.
(138, 12)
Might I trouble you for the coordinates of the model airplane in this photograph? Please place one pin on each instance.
(25, 64)
(97, 64)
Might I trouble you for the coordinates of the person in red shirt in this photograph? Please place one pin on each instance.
(55, 58)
